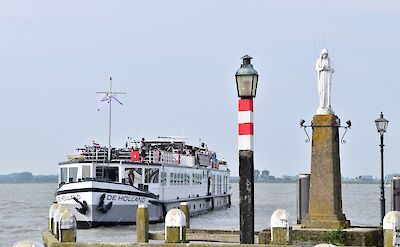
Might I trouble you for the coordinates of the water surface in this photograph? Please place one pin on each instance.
(24, 211)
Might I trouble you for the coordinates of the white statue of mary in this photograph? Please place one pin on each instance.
(324, 74)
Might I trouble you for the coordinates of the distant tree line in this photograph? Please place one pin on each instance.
(27, 177)
(264, 176)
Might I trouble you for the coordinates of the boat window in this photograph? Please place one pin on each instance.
(137, 174)
(163, 178)
(171, 178)
(107, 173)
(151, 175)
(187, 179)
(63, 175)
(85, 171)
(73, 173)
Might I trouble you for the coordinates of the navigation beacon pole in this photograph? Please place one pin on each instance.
(246, 82)
(109, 96)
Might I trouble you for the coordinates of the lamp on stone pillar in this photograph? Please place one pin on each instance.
(381, 126)
(246, 82)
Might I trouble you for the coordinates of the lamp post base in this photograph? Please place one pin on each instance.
(246, 196)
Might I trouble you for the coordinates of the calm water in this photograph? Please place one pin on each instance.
(24, 211)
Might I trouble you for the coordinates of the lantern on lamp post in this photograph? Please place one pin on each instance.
(381, 126)
(246, 82)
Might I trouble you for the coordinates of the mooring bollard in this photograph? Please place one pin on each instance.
(303, 195)
(52, 210)
(67, 227)
(27, 244)
(280, 229)
(175, 226)
(396, 194)
(185, 209)
(57, 215)
(142, 224)
(391, 229)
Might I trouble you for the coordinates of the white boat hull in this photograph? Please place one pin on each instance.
(99, 203)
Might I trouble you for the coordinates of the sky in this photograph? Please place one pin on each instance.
(177, 59)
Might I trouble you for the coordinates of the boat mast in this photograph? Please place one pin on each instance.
(109, 122)
(109, 96)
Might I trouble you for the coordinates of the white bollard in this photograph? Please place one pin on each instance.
(280, 228)
(391, 229)
(57, 216)
(27, 244)
(52, 211)
(175, 226)
(67, 227)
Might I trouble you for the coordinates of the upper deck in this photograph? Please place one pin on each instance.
(168, 169)
(160, 151)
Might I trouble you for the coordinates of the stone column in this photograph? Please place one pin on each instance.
(325, 205)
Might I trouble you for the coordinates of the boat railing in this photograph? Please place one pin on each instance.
(153, 156)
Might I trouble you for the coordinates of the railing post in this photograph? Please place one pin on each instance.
(396, 193)
(142, 224)
(185, 209)
(303, 196)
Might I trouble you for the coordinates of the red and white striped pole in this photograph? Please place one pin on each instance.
(246, 80)
(246, 126)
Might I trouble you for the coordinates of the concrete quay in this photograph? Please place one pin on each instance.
(204, 238)
(62, 232)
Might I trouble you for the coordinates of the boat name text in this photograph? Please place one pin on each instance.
(125, 198)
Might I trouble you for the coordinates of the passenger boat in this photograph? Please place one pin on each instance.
(105, 185)
(102, 192)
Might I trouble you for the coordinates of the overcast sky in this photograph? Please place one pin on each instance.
(177, 59)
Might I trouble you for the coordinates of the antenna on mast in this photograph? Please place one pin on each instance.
(108, 97)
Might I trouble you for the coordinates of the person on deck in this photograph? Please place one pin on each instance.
(143, 149)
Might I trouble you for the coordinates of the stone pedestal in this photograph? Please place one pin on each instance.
(325, 205)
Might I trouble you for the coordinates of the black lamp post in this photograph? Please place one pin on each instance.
(381, 126)
(246, 82)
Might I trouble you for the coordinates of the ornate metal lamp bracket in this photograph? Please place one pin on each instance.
(342, 140)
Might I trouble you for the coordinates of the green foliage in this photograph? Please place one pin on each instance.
(336, 237)
(27, 177)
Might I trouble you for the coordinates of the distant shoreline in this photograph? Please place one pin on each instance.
(27, 178)
(295, 181)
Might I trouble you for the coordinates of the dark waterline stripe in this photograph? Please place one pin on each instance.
(124, 192)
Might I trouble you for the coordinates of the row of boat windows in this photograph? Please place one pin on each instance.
(177, 179)
(151, 175)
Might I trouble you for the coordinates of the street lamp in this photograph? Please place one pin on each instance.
(246, 82)
(381, 126)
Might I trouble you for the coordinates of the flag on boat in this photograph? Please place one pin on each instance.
(135, 156)
(96, 145)
(104, 99)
